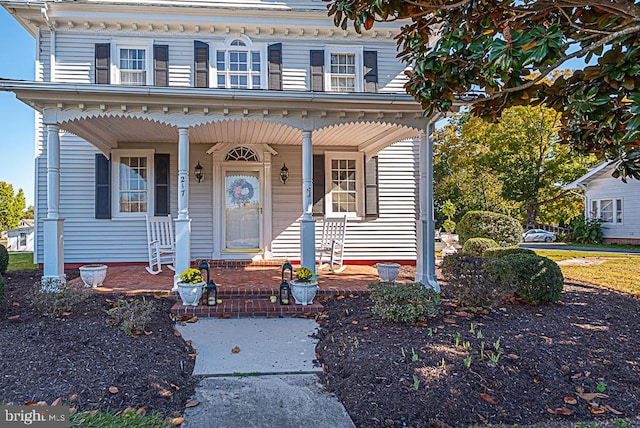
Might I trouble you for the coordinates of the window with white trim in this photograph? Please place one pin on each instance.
(344, 181)
(132, 63)
(23, 239)
(344, 71)
(608, 210)
(240, 64)
(133, 182)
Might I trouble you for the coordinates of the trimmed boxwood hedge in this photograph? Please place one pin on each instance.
(497, 253)
(4, 260)
(501, 228)
(477, 246)
(537, 279)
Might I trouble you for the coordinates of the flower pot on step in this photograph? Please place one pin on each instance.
(190, 293)
(304, 292)
(93, 275)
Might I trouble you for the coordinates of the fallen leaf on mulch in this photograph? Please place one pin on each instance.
(576, 376)
(15, 304)
(188, 342)
(177, 421)
(449, 320)
(173, 385)
(570, 400)
(589, 396)
(113, 389)
(365, 327)
(461, 314)
(127, 410)
(192, 320)
(73, 397)
(141, 411)
(325, 368)
(354, 322)
(57, 401)
(513, 356)
(537, 381)
(547, 340)
(192, 403)
(177, 333)
(66, 314)
(235, 350)
(612, 410)
(340, 297)
(560, 411)
(597, 410)
(489, 399)
(13, 318)
(166, 393)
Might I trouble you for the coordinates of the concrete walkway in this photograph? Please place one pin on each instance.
(259, 373)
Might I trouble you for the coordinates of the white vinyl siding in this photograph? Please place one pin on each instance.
(390, 236)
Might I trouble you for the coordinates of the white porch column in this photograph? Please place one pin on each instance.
(426, 263)
(308, 226)
(53, 224)
(183, 222)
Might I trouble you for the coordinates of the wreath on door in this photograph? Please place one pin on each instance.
(241, 191)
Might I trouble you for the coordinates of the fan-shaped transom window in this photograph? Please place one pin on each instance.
(242, 154)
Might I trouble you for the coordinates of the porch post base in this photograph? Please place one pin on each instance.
(52, 284)
(53, 251)
(426, 262)
(308, 249)
(183, 250)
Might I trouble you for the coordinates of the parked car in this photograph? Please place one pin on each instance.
(538, 235)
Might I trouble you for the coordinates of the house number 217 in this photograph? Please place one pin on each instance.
(183, 185)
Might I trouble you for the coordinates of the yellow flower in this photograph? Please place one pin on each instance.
(304, 274)
(191, 276)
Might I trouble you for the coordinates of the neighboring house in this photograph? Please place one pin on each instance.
(133, 98)
(21, 237)
(616, 203)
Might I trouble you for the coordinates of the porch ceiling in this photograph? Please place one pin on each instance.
(107, 115)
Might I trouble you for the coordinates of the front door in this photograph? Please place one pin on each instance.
(242, 210)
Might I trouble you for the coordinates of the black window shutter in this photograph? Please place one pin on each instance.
(161, 65)
(318, 184)
(275, 66)
(317, 70)
(161, 195)
(102, 63)
(103, 187)
(370, 71)
(201, 64)
(371, 187)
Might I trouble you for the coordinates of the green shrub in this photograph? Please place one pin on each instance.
(4, 260)
(131, 316)
(477, 246)
(57, 303)
(496, 253)
(537, 279)
(474, 282)
(404, 302)
(503, 229)
(2, 287)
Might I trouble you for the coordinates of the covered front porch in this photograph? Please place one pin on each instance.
(120, 118)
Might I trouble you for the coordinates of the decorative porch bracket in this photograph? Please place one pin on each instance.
(425, 227)
(308, 224)
(53, 224)
(183, 222)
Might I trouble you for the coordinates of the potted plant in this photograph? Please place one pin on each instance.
(190, 287)
(449, 238)
(305, 287)
(388, 272)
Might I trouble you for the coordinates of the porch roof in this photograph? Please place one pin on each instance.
(107, 115)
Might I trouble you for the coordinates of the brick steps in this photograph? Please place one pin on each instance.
(248, 308)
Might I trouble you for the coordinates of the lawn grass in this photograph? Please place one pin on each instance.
(620, 273)
(128, 420)
(609, 246)
(20, 261)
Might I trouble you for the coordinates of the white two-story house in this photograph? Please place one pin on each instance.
(244, 121)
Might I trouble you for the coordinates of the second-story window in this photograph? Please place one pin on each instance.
(239, 66)
(133, 66)
(343, 72)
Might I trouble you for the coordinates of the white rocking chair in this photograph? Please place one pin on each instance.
(162, 245)
(332, 243)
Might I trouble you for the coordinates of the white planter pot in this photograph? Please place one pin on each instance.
(93, 275)
(388, 272)
(190, 294)
(304, 292)
(451, 239)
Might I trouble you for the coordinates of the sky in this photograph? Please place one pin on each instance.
(17, 153)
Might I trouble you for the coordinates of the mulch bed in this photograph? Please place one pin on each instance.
(78, 357)
(548, 352)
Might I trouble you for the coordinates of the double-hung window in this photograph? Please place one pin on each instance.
(239, 65)
(344, 183)
(132, 63)
(608, 210)
(344, 69)
(132, 178)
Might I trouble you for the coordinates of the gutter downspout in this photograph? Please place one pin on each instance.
(52, 47)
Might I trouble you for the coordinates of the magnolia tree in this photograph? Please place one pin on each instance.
(512, 52)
